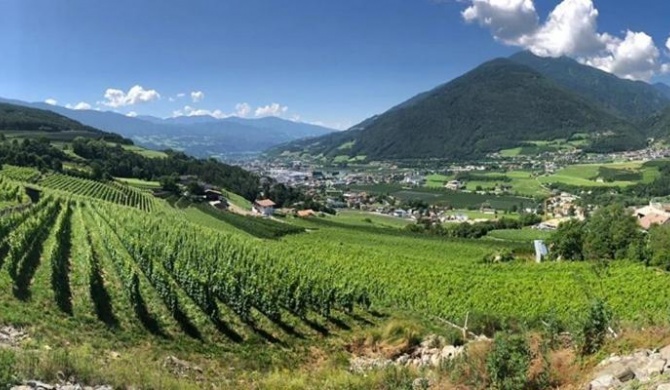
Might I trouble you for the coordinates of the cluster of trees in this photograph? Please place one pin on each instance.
(33, 153)
(113, 160)
(611, 233)
(474, 230)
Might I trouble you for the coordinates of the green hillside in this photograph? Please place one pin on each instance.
(659, 125)
(633, 100)
(498, 105)
(19, 121)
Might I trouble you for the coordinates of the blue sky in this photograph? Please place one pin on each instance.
(334, 63)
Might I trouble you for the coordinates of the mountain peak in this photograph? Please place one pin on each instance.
(633, 100)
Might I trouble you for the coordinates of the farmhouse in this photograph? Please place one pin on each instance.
(213, 195)
(653, 214)
(220, 204)
(651, 219)
(306, 213)
(264, 207)
(454, 185)
(400, 213)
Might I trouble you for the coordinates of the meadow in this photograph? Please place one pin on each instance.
(586, 175)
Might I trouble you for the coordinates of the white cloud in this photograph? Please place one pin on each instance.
(197, 96)
(181, 95)
(571, 29)
(636, 57)
(132, 114)
(51, 101)
(274, 109)
(191, 111)
(667, 44)
(242, 109)
(509, 20)
(79, 106)
(137, 94)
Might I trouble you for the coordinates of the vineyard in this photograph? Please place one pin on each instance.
(113, 192)
(168, 273)
(165, 272)
(80, 265)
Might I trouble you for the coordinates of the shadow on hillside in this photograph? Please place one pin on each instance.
(102, 302)
(149, 322)
(60, 269)
(28, 266)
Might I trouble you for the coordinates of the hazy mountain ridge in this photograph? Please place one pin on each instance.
(200, 136)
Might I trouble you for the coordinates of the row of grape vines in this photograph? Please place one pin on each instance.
(11, 192)
(20, 173)
(123, 195)
(215, 268)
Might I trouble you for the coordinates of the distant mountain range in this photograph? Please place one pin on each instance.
(502, 104)
(200, 136)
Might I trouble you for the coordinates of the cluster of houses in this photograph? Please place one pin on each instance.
(655, 213)
(563, 205)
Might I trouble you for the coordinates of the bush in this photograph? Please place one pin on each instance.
(594, 327)
(7, 369)
(508, 362)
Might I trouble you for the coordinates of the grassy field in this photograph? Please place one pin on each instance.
(145, 152)
(354, 217)
(521, 235)
(237, 200)
(198, 217)
(585, 175)
(521, 182)
(139, 183)
(441, 197)
(437, 180)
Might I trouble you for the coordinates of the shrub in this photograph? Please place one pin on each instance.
(7, 369)
(508, 362)
(594, 327)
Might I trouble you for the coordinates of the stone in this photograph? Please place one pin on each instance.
(403, 359)
(450, 352)
(612, 359)
(619, 370)
(425, 360)
(664, 386)
(70, 387)
(421, 384)
(40, 385)
(435, 360)
(604, 382)
(652, 368)
(22, 387)
(665, 352)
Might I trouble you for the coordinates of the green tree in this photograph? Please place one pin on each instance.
(568, 241)
(659, 246)
(610, 232)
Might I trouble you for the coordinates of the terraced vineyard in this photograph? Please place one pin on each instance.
(113, 192)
